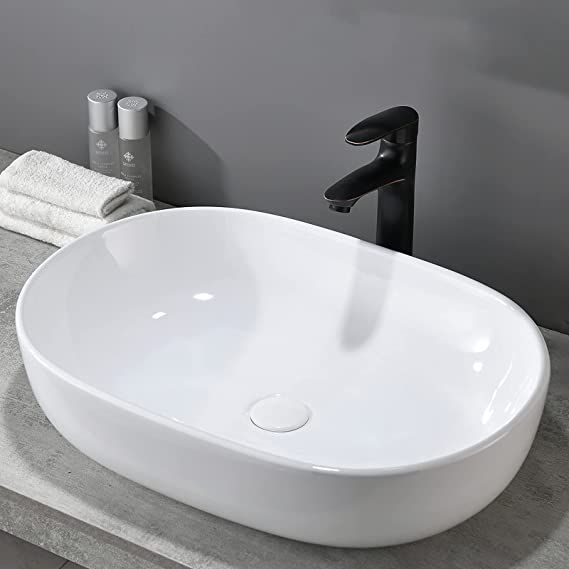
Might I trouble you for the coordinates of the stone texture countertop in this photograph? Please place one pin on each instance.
(57, 498)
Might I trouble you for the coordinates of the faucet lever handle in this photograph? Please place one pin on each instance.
(398, 124)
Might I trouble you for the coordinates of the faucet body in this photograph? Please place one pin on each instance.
(392, 172)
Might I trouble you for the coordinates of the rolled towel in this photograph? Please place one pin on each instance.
(54, 180)
(70, 222)
(35, 230)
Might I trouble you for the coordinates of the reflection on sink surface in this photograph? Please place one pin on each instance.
(284, 376)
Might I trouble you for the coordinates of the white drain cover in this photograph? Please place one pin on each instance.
(279, 414)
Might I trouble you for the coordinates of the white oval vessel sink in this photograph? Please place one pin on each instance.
(283, 376)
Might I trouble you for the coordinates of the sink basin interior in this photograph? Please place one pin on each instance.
(398, 361)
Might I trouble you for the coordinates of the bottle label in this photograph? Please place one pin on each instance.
(103, 153)
(135, 165)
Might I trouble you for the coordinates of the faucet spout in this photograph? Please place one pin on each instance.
(340, 208)
(392, 172)
(384, 170)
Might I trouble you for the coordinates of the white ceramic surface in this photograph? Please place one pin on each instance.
(148, 342)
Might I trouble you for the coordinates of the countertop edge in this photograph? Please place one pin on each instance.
(72, 539)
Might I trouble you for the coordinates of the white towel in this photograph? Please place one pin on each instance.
(35, 230)
(51, 179)
(70, 222)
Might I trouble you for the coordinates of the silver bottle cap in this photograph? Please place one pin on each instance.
(102, 110)
(133, 118)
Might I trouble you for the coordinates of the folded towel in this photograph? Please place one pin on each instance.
(71, 222)
(51, 179)
(35, 230)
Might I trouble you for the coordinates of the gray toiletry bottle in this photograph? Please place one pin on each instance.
(103, 132)
(134, 145)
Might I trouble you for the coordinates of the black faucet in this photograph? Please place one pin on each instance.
(392, 172)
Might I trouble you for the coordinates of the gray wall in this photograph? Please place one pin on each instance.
(254, 97)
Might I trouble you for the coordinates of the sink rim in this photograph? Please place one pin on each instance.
(541, 382)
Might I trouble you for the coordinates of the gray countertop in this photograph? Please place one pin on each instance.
(57, 498)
